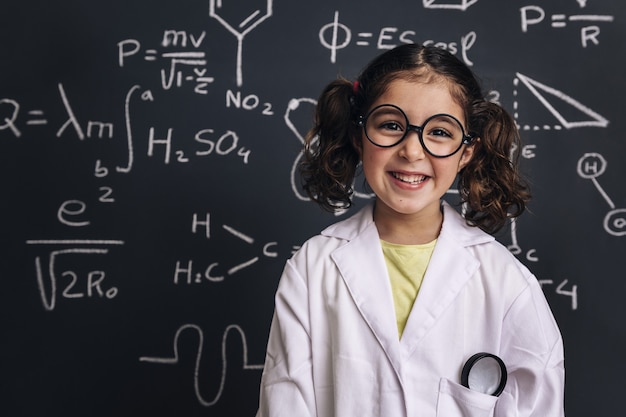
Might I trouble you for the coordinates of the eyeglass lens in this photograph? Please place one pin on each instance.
(388, 125)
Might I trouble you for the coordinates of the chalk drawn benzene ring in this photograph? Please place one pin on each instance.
(240, 35)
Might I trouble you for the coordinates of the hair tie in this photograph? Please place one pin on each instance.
(355, 87)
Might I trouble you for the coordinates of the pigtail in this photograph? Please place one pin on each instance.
(330, 154)
(491, 183)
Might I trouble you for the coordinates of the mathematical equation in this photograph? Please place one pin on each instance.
(208, 141)
(336, 36)
(47, 279)
(94, 285)
(235, 17)
(589, 34)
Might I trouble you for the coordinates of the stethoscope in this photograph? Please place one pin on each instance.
(484, 372)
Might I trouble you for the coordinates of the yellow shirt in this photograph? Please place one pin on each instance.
(406, 265)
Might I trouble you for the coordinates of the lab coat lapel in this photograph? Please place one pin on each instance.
(450, 267)
(362, 267)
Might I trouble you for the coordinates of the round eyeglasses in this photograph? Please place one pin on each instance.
(441, 135)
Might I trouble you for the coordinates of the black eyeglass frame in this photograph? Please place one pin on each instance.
(467, 138)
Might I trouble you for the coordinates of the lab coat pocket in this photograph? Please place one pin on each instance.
(456, 400)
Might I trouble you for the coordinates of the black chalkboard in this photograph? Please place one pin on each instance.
(149, 201)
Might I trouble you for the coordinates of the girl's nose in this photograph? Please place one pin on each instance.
(411, 148)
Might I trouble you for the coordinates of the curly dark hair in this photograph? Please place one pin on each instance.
(490, 184)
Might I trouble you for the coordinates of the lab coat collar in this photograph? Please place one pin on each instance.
(453, 225)
(362, 267)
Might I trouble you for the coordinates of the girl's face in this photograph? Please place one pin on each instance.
(405, 178)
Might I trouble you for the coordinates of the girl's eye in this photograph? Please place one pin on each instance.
(391, 126)
(439, 132)
(443, 127)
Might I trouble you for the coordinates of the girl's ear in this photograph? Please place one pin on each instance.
(468, 153)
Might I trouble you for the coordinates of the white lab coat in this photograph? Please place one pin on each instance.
(334, 350)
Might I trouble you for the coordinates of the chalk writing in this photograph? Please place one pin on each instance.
(249, 102)
(226, 144)
(335, 36)
(174, 75)
(101, 129)
(545, 94)
(185, 273)
(93, 128)
(591, 166)
(448, 4)
(561, 290)
(516, 249)
(534, 15)
(243, 26)
(173, 360)
(9, 122)
(145, 96)
(94, 278)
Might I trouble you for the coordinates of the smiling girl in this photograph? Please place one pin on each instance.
(378, 314)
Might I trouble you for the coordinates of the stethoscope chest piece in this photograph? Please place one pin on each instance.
(484, 372)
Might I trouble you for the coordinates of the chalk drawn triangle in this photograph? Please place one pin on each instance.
(448, 4)
(542, 92)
